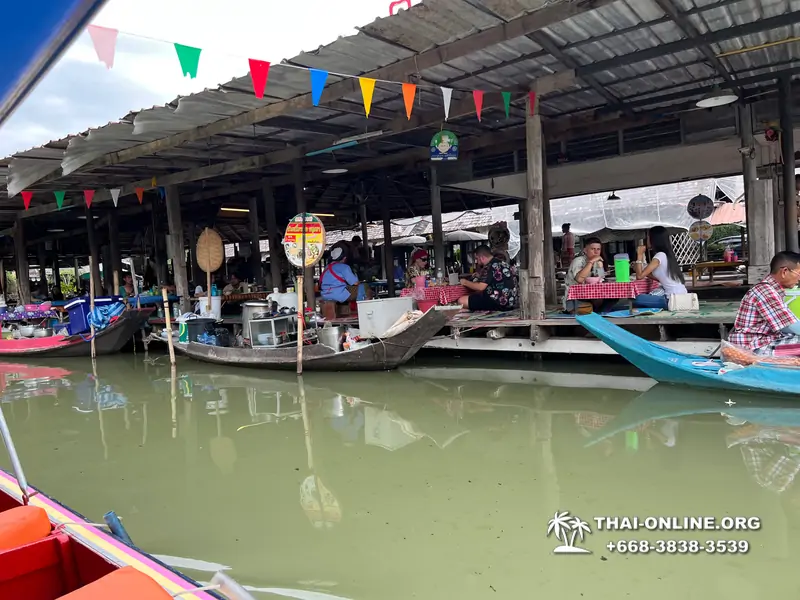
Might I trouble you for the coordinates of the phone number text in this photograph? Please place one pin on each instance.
(679, 547)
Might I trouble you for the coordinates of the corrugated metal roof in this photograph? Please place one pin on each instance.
(607, 32)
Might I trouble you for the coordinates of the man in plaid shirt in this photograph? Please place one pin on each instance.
(764, 322)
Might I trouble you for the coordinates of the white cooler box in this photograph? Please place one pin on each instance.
(375, 317)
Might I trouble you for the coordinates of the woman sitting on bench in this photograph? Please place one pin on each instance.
(338, 282)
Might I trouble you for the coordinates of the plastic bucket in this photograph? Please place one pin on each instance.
(426, 305)
(419, 281)
(622, 268)
(793, 301)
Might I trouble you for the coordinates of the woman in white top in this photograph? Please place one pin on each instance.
(663, 267)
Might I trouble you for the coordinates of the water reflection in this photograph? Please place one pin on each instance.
(431, 482)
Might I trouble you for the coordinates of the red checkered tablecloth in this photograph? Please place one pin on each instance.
(441, 294)
(602, 291)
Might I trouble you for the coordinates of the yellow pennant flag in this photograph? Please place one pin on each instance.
(367, 89)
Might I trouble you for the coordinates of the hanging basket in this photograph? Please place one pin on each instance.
(210, 251)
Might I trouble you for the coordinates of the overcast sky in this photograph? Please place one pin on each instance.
(79, 92)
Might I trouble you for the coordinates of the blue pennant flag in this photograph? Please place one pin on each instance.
(318, 79)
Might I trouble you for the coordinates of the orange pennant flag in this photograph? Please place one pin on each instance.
(367, 89)
(409, 91)
(140, 194)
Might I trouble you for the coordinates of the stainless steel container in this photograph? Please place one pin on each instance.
(332, 337)
(249, 312)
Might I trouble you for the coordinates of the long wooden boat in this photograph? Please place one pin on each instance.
(668, 366)
(380, 355)
(107, 341)
(662, 402)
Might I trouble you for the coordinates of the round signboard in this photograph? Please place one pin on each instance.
(314, 240)
(700, 207)
(444, 146)
(700, 231)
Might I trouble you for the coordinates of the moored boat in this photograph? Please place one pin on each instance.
(378, 355)
(668, 366)
(107, 341)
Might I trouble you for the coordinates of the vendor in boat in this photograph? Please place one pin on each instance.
(338, 282)
(588, 264)
(126, 290)
(418, 266)
(498, 288)
(764, 321)
(234, 286)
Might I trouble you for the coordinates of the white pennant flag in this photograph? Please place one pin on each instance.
(115, 195)
(447, 94)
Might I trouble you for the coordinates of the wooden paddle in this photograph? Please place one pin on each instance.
(210, 252)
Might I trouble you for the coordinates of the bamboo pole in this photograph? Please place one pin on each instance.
(115, 291)
(168, 322)
(91, 307)
(300, 324)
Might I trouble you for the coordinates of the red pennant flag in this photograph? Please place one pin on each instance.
(26, 199)
(532, 102)
(477, 95)
(88, 196)
(259, 72)
(409, 90)
(140, 194)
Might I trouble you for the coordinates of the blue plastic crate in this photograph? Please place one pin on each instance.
(78, 310)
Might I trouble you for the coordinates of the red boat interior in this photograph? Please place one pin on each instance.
(39, 563)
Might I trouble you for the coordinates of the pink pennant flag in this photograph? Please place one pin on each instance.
(532, 102)
(26, 198)
(477, 95)
(88, 195)
(259, 72)
(105, 43)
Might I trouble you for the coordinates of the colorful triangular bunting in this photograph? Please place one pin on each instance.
(88, 195)
(26, 198)
(447, 95)
(477, 96)
(153, 182)
(115, 195)
(105, 43)
(140, 194)
(532, 102)
(162, 191)
(409, 91)
(59, 198)
(506, 102)
(367, 90)
(259, 72)
(318, 79)
(189, 58)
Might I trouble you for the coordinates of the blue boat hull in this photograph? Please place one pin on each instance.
(668, 366)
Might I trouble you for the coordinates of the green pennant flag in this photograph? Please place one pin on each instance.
(59, 198)
(189, 58)
(506, 101)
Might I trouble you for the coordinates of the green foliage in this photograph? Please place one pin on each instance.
(723, 231)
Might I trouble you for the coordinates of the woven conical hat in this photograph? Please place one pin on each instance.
(210, 251)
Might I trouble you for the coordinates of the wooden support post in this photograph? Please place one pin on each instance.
(302, 207)
(758, 205)
(41, 258)
(23, 271)
(94, 250)
(550, 282)
(273, 241)
(436, 221)
(177, 246)
(196, 274)
(388, 252)
(76, 266)
(55, 260)
(777, 213)
(787, 150)
(105, 257)
(114, 252)
(168, 322)
(362, 213)
(534, 213)
(255, 249)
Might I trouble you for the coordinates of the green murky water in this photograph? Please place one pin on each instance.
(434, 482)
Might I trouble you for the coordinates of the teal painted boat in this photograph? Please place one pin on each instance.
(668, 366)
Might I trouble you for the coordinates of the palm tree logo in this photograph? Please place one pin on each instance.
(566, 528)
